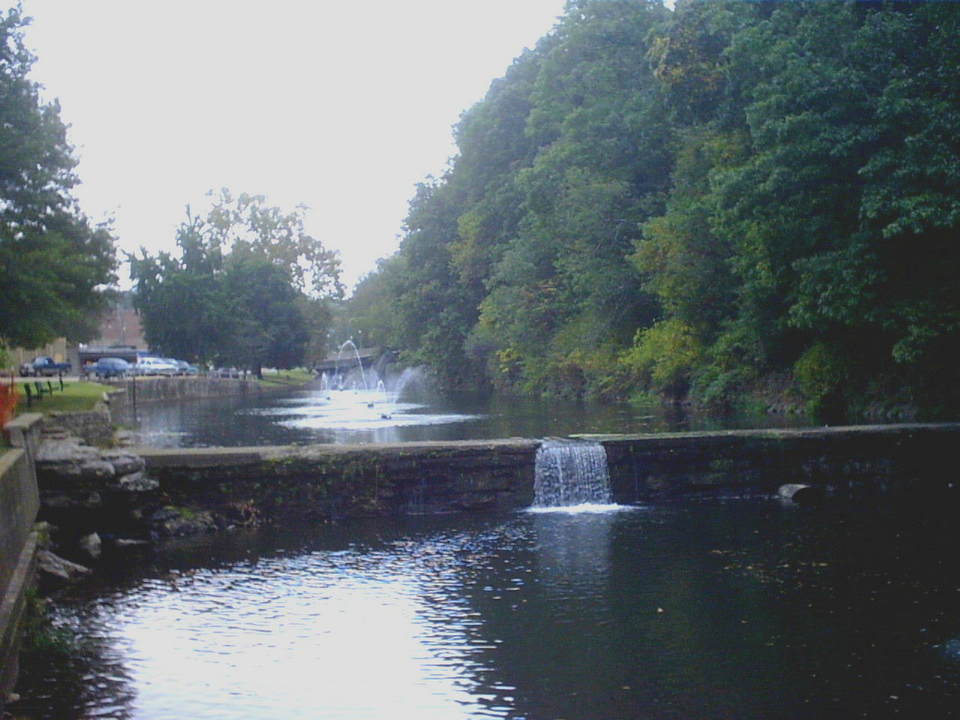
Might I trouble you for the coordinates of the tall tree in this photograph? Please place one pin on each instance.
(54, 264)
(266, 320)
(239, 288)
(726, 197)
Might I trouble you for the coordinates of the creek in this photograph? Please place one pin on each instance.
(703, 610)
(313, 415)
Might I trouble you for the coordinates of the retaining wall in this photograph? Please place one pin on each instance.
(151, 389)
(19, 503)
(94, 427)
(329, 481)
(844, 460)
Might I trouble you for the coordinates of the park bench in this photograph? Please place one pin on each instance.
(39, 389)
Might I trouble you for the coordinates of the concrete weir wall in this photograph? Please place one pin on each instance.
(329, 481)
(336, 481)
(841, 459)
(19, 503)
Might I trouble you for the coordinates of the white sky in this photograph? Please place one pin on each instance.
(343, 106)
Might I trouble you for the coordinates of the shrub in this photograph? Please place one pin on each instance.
(821, 373)
(664, 356)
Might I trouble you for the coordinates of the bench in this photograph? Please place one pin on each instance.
(36, 393)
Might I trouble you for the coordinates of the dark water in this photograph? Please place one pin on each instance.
(314, 416)
(713, 610)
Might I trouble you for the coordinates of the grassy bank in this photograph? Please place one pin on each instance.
(75, 397)
(287, 377)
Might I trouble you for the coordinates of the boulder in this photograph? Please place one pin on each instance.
(170, 522)
(83, 500)
(124, 463)
(91, 546)
(97, 470)
(136, 482)
(54, 571)
(801, 494)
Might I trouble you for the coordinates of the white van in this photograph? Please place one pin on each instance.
(155, 366)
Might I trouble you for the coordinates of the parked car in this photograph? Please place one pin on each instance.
(226, 372)
(44, 365)
(155, 366)
(185, 368)
(109, 367)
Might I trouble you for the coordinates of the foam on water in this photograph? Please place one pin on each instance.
(582, 509)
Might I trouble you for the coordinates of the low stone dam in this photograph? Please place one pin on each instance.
(337, 481)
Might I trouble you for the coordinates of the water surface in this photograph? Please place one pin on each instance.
(712, 610)
(358, 416)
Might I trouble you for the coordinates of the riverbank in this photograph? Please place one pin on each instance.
(129, 392)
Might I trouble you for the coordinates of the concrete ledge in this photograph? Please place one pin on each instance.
(24, 430)
(843, 459)
(331, 481)
(347, 480)
(19, 503)
(12, 612)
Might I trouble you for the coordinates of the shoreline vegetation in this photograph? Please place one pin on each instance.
(729, 203)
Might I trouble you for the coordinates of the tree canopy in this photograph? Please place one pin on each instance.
(699, 202)
(248, 287)
(54, 263)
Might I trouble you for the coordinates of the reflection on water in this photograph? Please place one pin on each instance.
(358, 416)
(708, 611)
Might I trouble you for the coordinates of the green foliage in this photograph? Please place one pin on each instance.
(54, 263)
(266, 326)
(697, 200)
(664, 356)
(41, 638)
(249, 288)
(821, 373)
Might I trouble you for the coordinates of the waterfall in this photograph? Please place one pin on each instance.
(571, 473)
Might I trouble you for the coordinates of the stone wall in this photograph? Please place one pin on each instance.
(94, 427)
(129, 391)
(329, 481)
(19, 503)
(843, 460)
(87, 491)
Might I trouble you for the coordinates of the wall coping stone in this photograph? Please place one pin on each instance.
(207, 456)
(9, 459)
(18, 428)
(771, 433)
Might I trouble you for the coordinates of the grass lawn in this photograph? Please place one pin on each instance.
(76, 397)
(288, 377)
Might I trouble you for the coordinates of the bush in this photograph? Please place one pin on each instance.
(664, 357)
(821, 373)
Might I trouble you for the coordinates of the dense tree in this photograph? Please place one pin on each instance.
(54, 264)
(248, 287)
(183, 305)
(701, 202)
(266, 325)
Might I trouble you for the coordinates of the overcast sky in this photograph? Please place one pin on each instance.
(342, 106)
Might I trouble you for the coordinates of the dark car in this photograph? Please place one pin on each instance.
(44, 365)
(111, 367)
